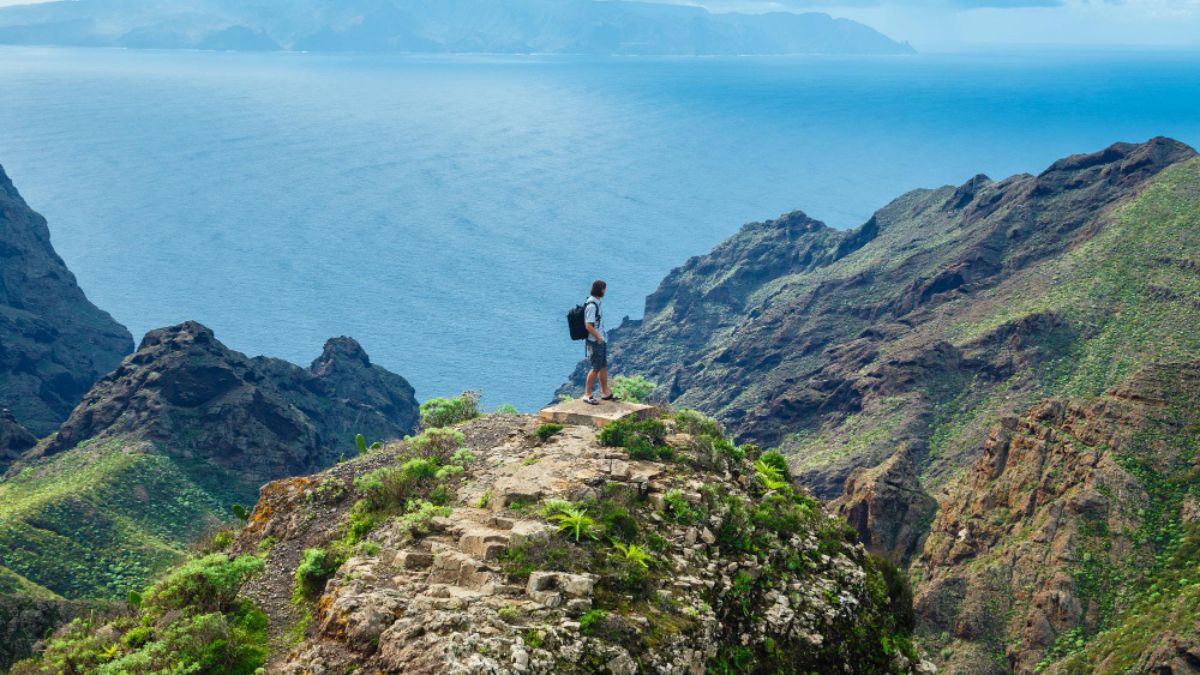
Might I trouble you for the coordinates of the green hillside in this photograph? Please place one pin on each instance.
(106, 517)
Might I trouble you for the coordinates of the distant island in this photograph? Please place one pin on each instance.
(448, 26)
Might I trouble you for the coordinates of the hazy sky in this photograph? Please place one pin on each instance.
(958, 24)
(934, 25)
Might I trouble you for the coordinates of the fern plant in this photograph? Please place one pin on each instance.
(635, 554)
(774, 477)
(576, 523)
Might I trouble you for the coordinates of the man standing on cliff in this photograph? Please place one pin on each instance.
(597, 347)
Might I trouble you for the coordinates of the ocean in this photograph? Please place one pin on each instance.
(447, 211)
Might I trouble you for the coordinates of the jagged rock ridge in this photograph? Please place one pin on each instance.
(160, 448)
(54, 343)
(259, 418)
(918, 327)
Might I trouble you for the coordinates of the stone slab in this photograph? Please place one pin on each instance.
(577, 412)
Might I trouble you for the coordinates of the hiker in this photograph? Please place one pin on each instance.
(597, 348)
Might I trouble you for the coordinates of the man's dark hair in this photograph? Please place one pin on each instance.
(598, 287)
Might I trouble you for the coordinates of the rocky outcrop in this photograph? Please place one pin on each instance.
(161, 448)
(492, 582)
(1065, 532)
(54, 343)
(25, 620)
(947, 308)
(888, 507)
(258, 418)
(14, 438)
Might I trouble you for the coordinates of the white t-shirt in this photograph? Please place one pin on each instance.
(592, 315)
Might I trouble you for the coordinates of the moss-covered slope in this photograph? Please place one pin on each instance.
(104, 518)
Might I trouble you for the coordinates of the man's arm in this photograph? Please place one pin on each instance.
(591, 328)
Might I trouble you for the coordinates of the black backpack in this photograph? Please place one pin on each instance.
(576, 322)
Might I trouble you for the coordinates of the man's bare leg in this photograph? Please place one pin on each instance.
(604, 390)
(591, 380)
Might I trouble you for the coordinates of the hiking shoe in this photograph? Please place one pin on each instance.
(591, 401)
(610, 397)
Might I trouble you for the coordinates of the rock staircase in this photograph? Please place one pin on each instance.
(450, 580)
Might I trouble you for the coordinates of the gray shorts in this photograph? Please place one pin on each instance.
(597, 354)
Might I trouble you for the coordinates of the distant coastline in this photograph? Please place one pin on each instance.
(575, 27)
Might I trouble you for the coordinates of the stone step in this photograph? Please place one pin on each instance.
(483, 543)
(453, 567)
(579, 413)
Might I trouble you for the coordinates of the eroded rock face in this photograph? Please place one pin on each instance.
(841, 346)
(24, 620)
(1045, 535)
(14, 438)
(888, 507)
(260, 418)
(54, 343)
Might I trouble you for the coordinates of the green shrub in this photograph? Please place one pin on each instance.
(680, 509)
(191, 621)
(207, 584)
(445, 412)
(778, 461)
(361, 521)
(591, 620)
(623, 432)
(616, 520)
(506, 409)
(419, 518)
(240, 512)
(315, 568)
(419, 469)
(697, 423)
(716, 454)
(642, 439)
(547, 430)
(551, 506)
(633, 388)
(383, 488)
(437, 443)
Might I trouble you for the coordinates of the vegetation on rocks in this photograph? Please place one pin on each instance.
(634, 388)
(1072, 543)
(192, 621)
(446, 412)
(577, 562)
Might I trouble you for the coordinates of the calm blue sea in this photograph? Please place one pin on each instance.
(447, 211)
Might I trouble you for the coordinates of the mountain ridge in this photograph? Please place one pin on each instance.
(54, 343)
(458, 26)
(821, 330)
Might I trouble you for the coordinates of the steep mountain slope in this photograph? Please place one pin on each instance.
(160, 448)
(946, 309)
(54, 343)
(492, 548)
(1077, 534)
(508, 26)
